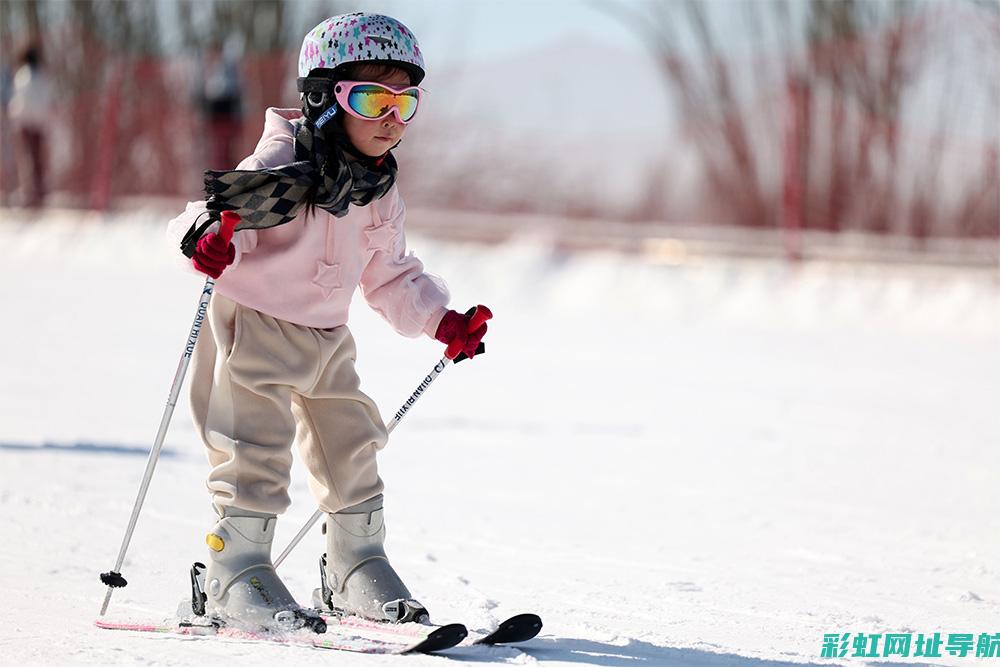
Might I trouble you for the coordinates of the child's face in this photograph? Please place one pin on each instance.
(375, 137)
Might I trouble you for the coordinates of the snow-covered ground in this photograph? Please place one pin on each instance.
(708, 464)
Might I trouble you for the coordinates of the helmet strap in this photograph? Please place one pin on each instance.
(317, 95)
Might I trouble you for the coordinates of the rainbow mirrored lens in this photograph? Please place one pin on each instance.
(372, 101)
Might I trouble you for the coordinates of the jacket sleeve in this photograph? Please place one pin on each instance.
(394, 282)
(244, 240)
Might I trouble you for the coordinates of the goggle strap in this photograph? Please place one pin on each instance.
(312, 84)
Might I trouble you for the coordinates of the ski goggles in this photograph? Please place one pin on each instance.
(373, 101)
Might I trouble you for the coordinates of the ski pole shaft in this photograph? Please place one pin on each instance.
(479, 317)
(438, 369)
(114, 579)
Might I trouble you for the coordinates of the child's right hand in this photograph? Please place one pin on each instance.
(212, 255)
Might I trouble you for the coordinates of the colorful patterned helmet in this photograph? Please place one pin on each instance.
(361, 37)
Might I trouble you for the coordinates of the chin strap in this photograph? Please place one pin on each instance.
(327, 115)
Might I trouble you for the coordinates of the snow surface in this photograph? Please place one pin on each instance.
(707, 464)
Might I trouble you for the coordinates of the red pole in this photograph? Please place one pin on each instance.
(100, 193)
(791, 204)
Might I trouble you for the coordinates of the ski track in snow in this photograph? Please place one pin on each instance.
(707, 464)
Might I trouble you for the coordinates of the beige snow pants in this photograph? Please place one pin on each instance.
(257, 385)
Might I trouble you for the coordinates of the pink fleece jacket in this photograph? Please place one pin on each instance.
(306, 271)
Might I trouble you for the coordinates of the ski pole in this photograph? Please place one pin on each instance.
(479, 316)
(114, 579)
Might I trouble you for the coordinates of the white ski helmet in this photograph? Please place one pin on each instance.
(361, 37)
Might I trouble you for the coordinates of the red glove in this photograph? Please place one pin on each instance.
(456, 326)
(212, 256)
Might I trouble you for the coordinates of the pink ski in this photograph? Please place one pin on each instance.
(433, 639)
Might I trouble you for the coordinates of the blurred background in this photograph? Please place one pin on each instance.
(743, 377)
(806, 128)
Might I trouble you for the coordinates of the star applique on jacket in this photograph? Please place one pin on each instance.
(327, 278)
(384, 237)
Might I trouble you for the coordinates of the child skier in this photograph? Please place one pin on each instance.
(275, 363)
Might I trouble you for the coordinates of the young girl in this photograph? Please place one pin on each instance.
(275, 362)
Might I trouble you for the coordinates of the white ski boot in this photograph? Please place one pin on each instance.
(356, 574)
(240, 586)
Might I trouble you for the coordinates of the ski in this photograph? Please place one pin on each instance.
(338, 637)
(515, 629)
(519, 628)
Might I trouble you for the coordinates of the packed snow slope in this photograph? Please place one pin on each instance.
(713, 463)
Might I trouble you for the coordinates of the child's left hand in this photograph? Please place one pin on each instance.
(455, 326)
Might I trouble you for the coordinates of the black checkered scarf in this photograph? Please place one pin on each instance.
(270, 197)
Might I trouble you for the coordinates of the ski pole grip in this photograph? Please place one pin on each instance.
(454, 349)
(229, 221)
(479, 317)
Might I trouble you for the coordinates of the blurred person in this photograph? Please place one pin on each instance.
(7, 167)
(220, 96)
(321, 216)
(30, 105)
